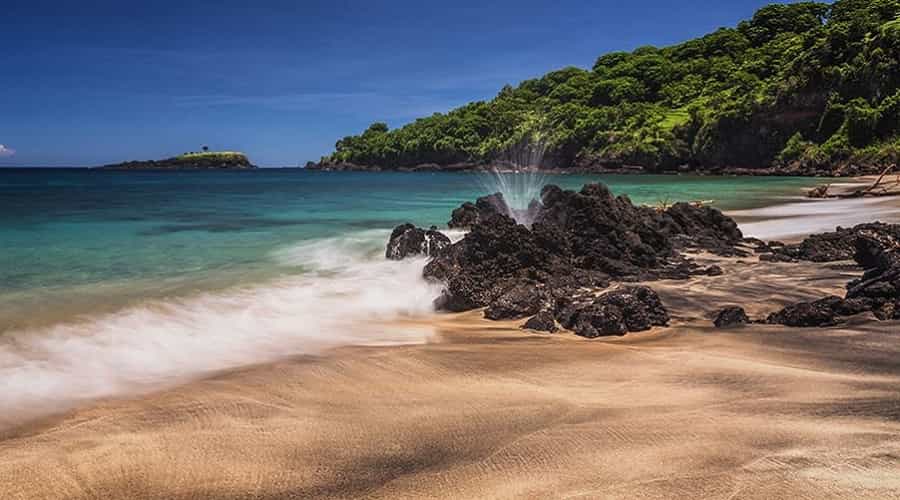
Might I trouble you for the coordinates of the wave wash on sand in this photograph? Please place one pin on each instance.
(348, 286)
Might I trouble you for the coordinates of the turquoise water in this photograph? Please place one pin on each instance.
(115, 283)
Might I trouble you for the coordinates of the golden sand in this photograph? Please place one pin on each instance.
(489, 411)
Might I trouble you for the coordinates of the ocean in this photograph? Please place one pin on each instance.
(118, 282)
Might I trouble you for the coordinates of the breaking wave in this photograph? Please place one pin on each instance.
(345, 294)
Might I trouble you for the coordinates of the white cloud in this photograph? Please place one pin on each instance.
(6, 151)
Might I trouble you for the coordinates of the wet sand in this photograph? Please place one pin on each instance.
(485, 410)
(488, 411)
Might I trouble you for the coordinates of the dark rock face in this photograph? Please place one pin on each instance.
(408, 240)
(703, 227)
(626, 309)
(577, 239)
(470, 214)
(541, 322)
(877, 249)
(730, 317)
(830, 247)
(806, 314)
(879, 287)
(520, 301)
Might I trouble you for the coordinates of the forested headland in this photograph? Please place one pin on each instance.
(805, 88)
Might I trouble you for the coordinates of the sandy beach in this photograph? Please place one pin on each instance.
(486, 410)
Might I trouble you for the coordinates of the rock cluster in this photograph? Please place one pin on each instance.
(877, 250)
(576, 241)
(408, 240)
(617, 312)
(730, 317)
(833, 246)
(542, 322)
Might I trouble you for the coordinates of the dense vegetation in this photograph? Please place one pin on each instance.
(211, 155)
(806, 85)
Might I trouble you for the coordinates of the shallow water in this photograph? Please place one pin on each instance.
(115, 282)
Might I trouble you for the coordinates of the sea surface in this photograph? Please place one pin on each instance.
(117, 282)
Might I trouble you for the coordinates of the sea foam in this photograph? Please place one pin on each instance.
(345, 295)
(793, 220)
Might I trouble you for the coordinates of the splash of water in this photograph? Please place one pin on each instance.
(521, 191)
(517, 178)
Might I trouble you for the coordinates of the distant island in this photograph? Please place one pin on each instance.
(800, 89)
(204, 160)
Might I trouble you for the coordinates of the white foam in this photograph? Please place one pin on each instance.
(347, 289)
(803, 218)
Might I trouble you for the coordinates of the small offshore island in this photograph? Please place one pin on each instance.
(204, 160)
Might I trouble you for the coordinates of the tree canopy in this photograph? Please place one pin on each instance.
(808, 83)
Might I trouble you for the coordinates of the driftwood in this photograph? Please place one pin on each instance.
(819, 191)
(878, 188)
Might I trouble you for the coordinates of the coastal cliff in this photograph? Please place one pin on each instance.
(226, 160)
(800, 89)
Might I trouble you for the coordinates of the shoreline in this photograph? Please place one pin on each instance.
(441, 409)
(486, 410)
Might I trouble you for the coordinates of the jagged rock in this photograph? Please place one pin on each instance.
(731, 316)
(877, 249)
(776, 257)
(577, 239)
(704, 227)
(518, 302)
(806, 314)
(833, 246)
(408, 240)
(541, 322)
(495, 256)
(617, 312)
(469, 214)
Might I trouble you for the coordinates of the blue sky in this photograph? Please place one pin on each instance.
(94, 82)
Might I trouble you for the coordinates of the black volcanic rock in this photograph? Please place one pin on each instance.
(517, 302)
(541, 322)
(578, 240)
(703, 227)
(833, 246)
(408, 240)
(495, 256)
(469, 214)
(730, 317)
(617, 312)
(807, 314)
(877, 249)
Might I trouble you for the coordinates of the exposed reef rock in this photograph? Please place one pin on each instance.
(469, 214)
(617, 312)
(877, 250)
(730, 317)
(834, 246)
(577, 239)
(518, 302)
(408, 240)
(542, 322)
(576, 244)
